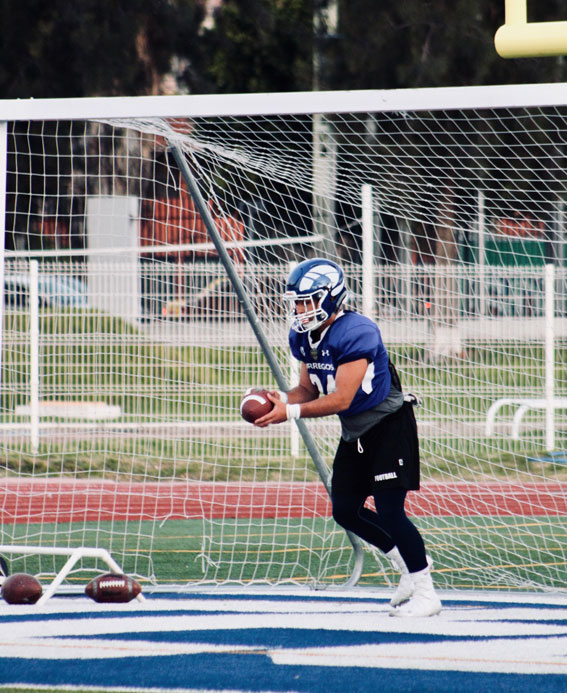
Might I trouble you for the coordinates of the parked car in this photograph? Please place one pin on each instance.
(55, 291)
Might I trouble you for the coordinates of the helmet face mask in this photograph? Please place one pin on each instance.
(315, 290)
(311, 316)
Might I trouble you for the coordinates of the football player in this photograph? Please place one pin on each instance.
(346, 370)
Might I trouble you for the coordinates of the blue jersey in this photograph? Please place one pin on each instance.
(350, 337)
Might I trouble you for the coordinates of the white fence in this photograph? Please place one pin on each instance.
(185, 360)
(413, 301)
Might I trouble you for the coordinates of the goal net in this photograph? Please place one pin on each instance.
(126, 349)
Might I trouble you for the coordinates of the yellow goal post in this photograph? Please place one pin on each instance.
(518, 38)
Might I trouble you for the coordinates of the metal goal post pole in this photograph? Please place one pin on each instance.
(248, 308)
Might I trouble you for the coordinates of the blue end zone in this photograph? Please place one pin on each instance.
(272, 638)
(333, 642)
(258, 673)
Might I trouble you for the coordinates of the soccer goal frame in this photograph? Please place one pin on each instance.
(441, 283)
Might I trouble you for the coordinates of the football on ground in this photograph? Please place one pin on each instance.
(255, 404)
(113, 587)
(21, 588)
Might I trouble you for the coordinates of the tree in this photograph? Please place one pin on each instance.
(259, 46)
(92, 47)
(108, 47)
(75, 49)
(430, 43)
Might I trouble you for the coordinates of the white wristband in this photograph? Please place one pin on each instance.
(293, 411)
(283, 396)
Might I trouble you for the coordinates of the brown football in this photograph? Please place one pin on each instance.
(113, 587)
(21, 588)
(255, 404)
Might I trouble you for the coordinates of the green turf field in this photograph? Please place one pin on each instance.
(469, 552)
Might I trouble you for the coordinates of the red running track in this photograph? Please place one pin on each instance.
(67, 500)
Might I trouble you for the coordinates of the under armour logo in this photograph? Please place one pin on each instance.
(325, 352)
(302, 350)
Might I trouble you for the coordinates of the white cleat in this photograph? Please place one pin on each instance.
(403, 591)
(405, 587)
(424, 601)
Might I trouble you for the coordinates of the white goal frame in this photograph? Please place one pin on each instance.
(114, 108)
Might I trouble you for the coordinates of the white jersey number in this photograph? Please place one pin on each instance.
(332, 386)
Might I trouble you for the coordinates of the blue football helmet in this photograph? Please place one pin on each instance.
(321, 284)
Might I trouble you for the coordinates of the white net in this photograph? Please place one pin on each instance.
(131, 439)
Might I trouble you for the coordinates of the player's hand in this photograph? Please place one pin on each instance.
(278, 413)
